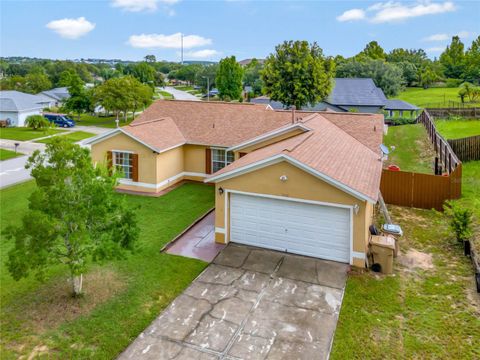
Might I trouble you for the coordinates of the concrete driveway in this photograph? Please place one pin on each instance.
(179, 94)
(250, 304)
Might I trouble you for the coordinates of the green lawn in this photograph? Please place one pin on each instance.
(165, 95)
(25, 133)
(8, 154)
(121, 297)
(184, 87)
(101, 121)
(71, 137)
(456, 129)
(413, 150)
(431, 97)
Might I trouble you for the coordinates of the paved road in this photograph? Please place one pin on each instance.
(13, 171)
(180, 95)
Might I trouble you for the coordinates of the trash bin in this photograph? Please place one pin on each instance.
(396, 232)
(382, 249)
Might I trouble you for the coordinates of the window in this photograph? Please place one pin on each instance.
(221, 158)
(123, 163)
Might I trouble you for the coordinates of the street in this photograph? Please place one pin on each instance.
(179, 94)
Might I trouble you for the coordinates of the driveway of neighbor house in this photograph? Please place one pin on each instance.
(179, 94)
(250, 303)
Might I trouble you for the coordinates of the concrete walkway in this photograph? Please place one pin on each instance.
(250, 304)
(179, 94)
(198, 242)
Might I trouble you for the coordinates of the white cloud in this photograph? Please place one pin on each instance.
(173, 41)
(464, 34)
(352, 15)
(394, 11)
(437, 37)
(71, 28)
(142, 5)
(202, 54)
(436, 49)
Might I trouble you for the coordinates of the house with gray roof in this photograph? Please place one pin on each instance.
(351, 94)
(16, 106)
(57, 95)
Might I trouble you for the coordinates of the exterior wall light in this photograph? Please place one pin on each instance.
(356, 209)
(220, 190)
(283, 178)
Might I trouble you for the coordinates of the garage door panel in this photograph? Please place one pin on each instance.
(301, 228)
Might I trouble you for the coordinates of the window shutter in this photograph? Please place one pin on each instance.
(242, 154)
(208, 161)
(109, 162)
(135, 167)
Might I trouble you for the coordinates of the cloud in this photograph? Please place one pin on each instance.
(167, 41)
(142, 5)
(393, 11)
(202, 54)
(436, 49)
(352, 15)
(71, 28)
(444, 37)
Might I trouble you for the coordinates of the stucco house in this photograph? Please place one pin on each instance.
(16, 106)
(302, 182)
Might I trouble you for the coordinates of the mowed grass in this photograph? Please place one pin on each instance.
(416, 313)
(72, 137)
(102, 121)
(25, 133)
(121, 297)
(413, 150)
(8, 154)
(431, 96)
(165, 95)
(456, 129)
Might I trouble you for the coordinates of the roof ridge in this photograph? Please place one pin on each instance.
(292, 148)
(209, 102)
(149, 121)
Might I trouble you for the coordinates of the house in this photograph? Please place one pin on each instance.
(351, 94)
(301, 182)
(57, 96)
(16, 106)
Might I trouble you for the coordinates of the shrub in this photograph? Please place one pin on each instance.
(453, 83)
(460, 220)
(402, 121)
(37, 122)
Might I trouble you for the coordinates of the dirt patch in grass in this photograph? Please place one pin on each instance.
(414, 259)
(53, 304)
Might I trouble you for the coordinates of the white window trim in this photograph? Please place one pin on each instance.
(122, 165)
(225, 162)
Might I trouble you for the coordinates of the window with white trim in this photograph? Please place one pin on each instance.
(123, 163)
(221, 158)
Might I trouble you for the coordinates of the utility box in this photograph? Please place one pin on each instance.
(382, 249)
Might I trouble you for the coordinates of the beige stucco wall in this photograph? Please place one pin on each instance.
(299, 185)
(154, 169)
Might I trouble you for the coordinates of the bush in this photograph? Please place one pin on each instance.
(453, 83)
(37, 122)
(460, 220)
(401, 121)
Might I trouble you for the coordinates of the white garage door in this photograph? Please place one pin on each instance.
(300, 228)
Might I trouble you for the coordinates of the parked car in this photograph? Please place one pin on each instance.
(60, 120)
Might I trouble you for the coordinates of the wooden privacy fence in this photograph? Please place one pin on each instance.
(444, 152)
(466, 149)
(473, 112)
(423, 191)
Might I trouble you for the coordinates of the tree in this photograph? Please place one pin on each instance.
(143, 72)
(150, 58)
(252, 76)
(207, 72)
(74, 216)
(37, 122)
(80, 99)
(386, 76)
(418, 57)
(453, 59)
(298, 74)
(372, 51)
(409, 72)
(229, 78)
(427, 77)
(472, 62)
(35, 83)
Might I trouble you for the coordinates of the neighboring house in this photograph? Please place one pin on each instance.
(16, 106)
(57, 96)
(300, 182)
(351, 94)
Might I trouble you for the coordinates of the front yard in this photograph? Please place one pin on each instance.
(121, 297)
(73, 136)
(8, 154)
(25, 133)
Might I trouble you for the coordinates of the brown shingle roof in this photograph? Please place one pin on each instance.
(328, 150)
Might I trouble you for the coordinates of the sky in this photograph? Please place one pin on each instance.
(131, 29)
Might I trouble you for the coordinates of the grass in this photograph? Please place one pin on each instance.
(413, 151)
(456, 129)
(122, 297)
(184, 87)
(101, 121)
(73, 136)
(165, 95)
(431, 97)
(25, 133)
(417, 313)
(8, 154)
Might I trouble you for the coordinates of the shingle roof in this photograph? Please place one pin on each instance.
(395, 104)
(356, 92)
(14, 101)
(58, 94)
(328, 150)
